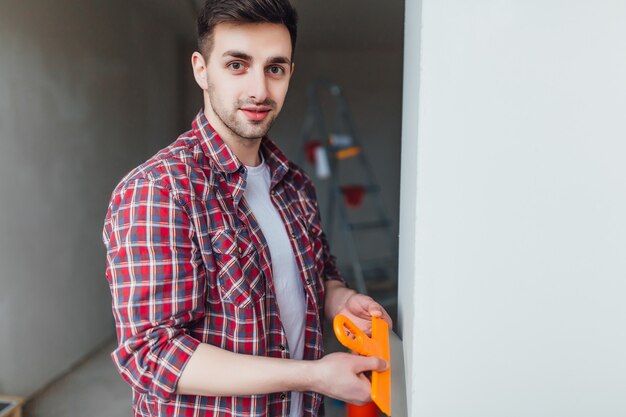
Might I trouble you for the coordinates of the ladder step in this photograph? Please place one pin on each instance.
(372, 188)
(377, 262)
(368, 225)
(371, 268)
(370, 273)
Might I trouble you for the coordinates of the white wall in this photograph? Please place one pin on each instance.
(520, 229)
(87, 91)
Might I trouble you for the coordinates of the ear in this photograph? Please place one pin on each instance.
(293, 67)
(199, 70)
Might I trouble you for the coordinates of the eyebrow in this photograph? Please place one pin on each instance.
(279, 60)
(238, 54)
(246, 57)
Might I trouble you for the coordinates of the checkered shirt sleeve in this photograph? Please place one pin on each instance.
(157, 283)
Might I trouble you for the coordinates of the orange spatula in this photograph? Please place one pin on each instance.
(392, 403)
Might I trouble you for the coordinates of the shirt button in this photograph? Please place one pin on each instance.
(273, 192)
(308, 282)
(240, 251)
(293, 235)
(283, 396)
(282, 347)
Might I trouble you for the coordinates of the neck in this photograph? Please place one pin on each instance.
(246, 150)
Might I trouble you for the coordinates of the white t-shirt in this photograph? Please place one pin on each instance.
(285, 273)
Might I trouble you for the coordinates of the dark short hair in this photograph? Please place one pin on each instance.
(215, 12)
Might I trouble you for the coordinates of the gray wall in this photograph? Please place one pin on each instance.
(87, 91)
(372, 83)
(407, 260)
(516, 302)
(357, 44)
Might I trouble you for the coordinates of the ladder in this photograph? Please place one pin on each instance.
(331, 143)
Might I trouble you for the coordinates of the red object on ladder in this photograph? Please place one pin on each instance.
(328, 120)
(309, 150)
(353, 195)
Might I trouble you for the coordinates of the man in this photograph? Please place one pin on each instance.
(218, 268)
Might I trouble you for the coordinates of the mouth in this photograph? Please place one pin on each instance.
(256, 114)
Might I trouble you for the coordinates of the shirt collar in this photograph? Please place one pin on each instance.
(275, 159)
(225, 160)
(214, 146)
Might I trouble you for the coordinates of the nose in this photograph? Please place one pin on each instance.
(257, 87)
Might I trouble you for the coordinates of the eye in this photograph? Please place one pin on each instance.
(276, 70)
(236, 66)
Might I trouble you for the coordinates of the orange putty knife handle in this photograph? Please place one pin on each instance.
(361, 343)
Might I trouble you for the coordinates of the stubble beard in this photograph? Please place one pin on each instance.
(244, 129)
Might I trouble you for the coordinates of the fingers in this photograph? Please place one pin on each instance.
(340, 375)
(376, 310)
(363, 392)
(364, 306)
(387, 318)
(371, 364)
(372, 307)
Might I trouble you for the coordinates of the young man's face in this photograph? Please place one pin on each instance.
(247, 76)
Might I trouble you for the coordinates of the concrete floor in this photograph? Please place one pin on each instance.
(93, 389)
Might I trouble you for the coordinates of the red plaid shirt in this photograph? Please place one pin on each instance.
(187, 264)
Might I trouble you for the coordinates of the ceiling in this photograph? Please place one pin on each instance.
(359, 24)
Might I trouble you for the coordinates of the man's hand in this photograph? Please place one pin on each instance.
(341, 376)
(361, 308)
(357, 307)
